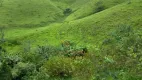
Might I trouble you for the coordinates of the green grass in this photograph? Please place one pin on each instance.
(89, 31)
(90, 8)
(85, 26)
(29, 13)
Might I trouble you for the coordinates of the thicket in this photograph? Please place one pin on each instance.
(120, 57)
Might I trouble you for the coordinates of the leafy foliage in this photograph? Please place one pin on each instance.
(59, 67)
(63, 67)
(67, 11)
(99, 6)
(122, 52)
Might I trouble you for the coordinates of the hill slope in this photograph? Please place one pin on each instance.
(92, 7)
(93, 29)
(107, 42)
(29, 13)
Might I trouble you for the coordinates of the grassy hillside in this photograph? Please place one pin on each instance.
(29, 13)
(94, 28)
(92, 7)
(111, 31)
(91, 30)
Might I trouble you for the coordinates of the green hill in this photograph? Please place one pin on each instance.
(29, 13)
(91, 29)
(94, 28)
(92, 7)
(111, 31)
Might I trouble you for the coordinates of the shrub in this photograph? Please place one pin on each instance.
(99, 7)
(59, 67)
(122, 50)
(67, 11)
(13, 42)
(34, 58)
(2, 50)
(5, 72)
(22, 69)
(47, 51)
(62, 67)
(84, 69)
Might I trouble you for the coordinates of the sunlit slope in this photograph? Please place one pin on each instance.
(92, 7)
(93, 29)
(88, 31)
(29, 13)
(74, 5)
(97, 26)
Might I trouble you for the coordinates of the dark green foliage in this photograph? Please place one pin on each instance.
(99, 7)
(5, 73)
(67, 11)
(64, 68)
(69, 49)
(40, 55)
(2, 50)
(122, 51)
(76, 52)
(13, 42)
(21, 70)
(59, 67)
(11, 61)
(47, 51)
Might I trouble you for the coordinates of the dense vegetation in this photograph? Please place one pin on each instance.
(70, 40)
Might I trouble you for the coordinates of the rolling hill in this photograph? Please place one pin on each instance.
(46, 24)
(89, 30)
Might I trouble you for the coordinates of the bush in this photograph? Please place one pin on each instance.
(62, 67)
(99, 7)
(34, 58)
(2, 50)
(59, 67)
(13, 42)
(47, 51)
(22, 70)
(84, 69)
(5, 72)
(67, 11)
(121, 51)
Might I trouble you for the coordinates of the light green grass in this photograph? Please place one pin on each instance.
(83, 26)
(89, 31)
(90, 8)
(28, 13)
